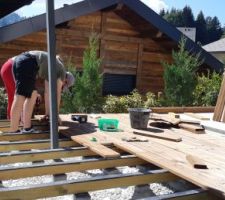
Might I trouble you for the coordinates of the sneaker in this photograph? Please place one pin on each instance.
(30, 130)
(12, 132)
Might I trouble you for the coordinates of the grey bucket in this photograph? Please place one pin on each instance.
(139, 117)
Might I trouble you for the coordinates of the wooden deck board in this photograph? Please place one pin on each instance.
(170, 155)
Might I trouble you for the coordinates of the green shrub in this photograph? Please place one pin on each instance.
(134, 100)
(180, 77)
(207, 89)
(85, 95)
(151, 100)
(114, 104)
(3, 104)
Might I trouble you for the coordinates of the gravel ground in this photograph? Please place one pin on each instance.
(122, 193)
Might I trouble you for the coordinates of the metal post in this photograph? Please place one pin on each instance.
(50, 24)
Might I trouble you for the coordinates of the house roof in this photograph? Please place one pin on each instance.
(70, 12)
(217, 46)
(8, 6)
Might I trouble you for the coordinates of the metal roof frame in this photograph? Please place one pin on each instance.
(67, 13)
(9, 6)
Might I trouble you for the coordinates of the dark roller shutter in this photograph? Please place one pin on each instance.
(117, 84)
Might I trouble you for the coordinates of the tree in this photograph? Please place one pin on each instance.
(214, 29)
(174, 17)
(180, 76)
(88, 86)
(208, 29)
(162, 12)
(85, 95)
(201, 31)
(188, 17)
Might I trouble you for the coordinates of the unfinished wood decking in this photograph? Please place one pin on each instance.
(168, 157)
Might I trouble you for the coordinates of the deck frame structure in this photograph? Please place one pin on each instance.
(34, 147)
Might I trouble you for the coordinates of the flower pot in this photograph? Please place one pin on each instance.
(139, 117)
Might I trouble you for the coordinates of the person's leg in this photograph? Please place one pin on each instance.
(9, 82)
(25, 70)
(17, 107)
(28, 108)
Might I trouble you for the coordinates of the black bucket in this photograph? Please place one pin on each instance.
(139, 117)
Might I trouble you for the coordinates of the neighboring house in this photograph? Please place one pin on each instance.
(134, 40)
(189, 32)
(217, 49)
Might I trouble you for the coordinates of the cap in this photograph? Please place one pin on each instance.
(69, 81)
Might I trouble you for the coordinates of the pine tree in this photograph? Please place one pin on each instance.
(201, 31)
(88, 86)
(214, 29)
(188, 17)
(175, 17)
(180, 77)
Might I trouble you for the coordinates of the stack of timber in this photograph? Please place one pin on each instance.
(18, 148)
(174, 119)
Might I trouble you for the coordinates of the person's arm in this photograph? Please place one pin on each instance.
(47, 111)
(59, 90)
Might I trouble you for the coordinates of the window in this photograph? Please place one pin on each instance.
(117, 84)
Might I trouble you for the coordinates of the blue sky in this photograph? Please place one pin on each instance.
(209, 7)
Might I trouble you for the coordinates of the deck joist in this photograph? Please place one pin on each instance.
(19, 148)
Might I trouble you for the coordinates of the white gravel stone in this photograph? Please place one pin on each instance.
(122, 193)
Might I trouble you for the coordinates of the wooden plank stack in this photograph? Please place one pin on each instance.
(175, 121)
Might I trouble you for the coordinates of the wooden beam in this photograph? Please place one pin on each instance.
(163, 136)
(65, 167)
(33, 144)
(194, 128)
(90, 184)
(167, 118)
(6, 128)
(96, 147)
(30, 156)
(6, 122)
(25, 136)
(183, 109)
(196, 116)
(219, 109)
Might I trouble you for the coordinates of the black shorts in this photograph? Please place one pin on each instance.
(25, 69)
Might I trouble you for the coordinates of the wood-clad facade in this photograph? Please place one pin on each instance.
(129, 46)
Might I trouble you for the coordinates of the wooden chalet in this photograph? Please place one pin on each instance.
(134, 40)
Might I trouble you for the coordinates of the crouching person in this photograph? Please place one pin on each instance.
(26, 68)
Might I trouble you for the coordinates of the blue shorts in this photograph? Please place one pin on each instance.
(25, 69)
